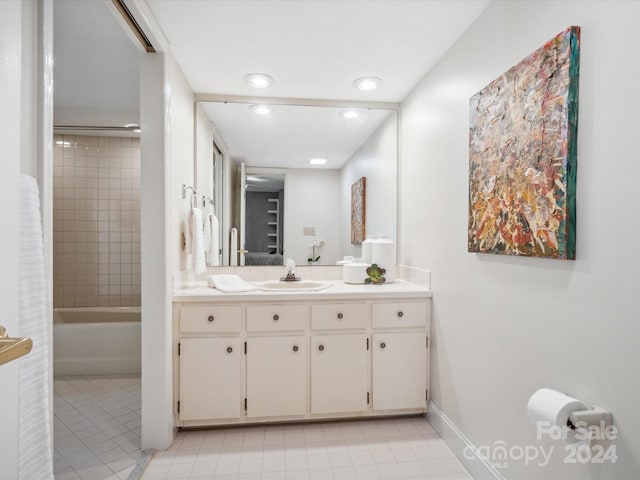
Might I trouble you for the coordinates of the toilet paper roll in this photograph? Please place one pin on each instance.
(547, 405)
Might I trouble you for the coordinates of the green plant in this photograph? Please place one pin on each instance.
(376, 275)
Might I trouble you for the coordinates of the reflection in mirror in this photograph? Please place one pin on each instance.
(264, 218)
(313, 224)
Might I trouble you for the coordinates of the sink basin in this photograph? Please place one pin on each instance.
(302, 286)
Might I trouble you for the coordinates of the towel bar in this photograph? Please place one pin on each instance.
(12, 348)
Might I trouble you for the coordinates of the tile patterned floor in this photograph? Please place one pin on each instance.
(96, 427)
(404, 448)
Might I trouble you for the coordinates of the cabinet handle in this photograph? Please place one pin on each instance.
(321, 347)
(295, 348)
(400, 314)
(229, 349)
(276, 317)
(383, 345)
(340, 316)
(210, 318)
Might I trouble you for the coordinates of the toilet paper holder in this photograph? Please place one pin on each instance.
(594, 416)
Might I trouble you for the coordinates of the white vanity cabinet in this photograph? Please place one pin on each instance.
(210, 366)
(276, 375)
(339, 373)
(400, 357)
(303, 357)
(210, 378)
(339, 357)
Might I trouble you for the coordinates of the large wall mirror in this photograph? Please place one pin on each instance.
(282, 176)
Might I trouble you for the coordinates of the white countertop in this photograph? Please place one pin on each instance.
(200, 292)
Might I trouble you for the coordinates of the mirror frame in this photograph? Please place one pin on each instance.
(287, 101)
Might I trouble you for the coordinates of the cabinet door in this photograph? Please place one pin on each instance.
(276, 376)
(338, 373)
(210, 378)
(399, 370)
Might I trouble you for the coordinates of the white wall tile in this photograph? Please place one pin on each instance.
(96, 212)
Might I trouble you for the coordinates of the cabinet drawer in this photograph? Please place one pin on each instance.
(274, 318)
(208, 318)
(390, 315)
(340, 316)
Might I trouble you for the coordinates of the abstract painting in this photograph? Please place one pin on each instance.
(522, 155)
(358, 211)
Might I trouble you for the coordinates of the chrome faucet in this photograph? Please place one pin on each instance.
(291, 272)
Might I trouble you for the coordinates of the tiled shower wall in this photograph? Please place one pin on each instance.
(96, 221)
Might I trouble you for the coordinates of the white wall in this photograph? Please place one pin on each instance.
(10, 129)
(155, 228)
(376, 159)
(166, 147)
(25, 126)
(181, 133)
(312, 199)
(505, 326)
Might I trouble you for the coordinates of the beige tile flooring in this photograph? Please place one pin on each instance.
(96, 427)
(397, 448)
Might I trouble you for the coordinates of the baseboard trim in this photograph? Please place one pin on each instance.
(479, 466)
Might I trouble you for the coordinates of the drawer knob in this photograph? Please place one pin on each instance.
(210, 318)
(229, 349)
(383, 345)
(295, 348)
(276, 317)
(321, 347)
(400, 314)
(340, 316)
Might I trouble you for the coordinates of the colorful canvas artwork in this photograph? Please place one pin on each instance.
(522, 155)
(358, 211)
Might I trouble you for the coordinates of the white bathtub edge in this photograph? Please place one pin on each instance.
(97, 366)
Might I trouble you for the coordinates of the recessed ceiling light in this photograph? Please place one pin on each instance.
(317, 160)
(349, 114)
(258, 80)
(260, 109)
(367, 83)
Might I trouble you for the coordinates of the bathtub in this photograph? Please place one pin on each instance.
(101, 340)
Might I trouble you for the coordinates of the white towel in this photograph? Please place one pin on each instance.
(207, 234)
(229, 283)
(233, 247)
(197, 255)
(186, 227)
(35, 449)
(214, 246)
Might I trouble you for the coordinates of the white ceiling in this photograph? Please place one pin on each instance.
(313, 48)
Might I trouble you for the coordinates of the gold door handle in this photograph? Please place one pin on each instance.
(12, 348)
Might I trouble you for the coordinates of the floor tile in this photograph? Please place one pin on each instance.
(382, 449)
(90, 442)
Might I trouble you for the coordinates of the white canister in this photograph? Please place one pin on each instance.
(384, 255)
(367, 249)
(354, 272)
(345, 260)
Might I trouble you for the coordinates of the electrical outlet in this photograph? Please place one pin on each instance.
(309, 231)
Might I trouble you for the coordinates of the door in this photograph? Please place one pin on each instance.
(339, 373)
(399, 370)
(210, 378)
(276, 376)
